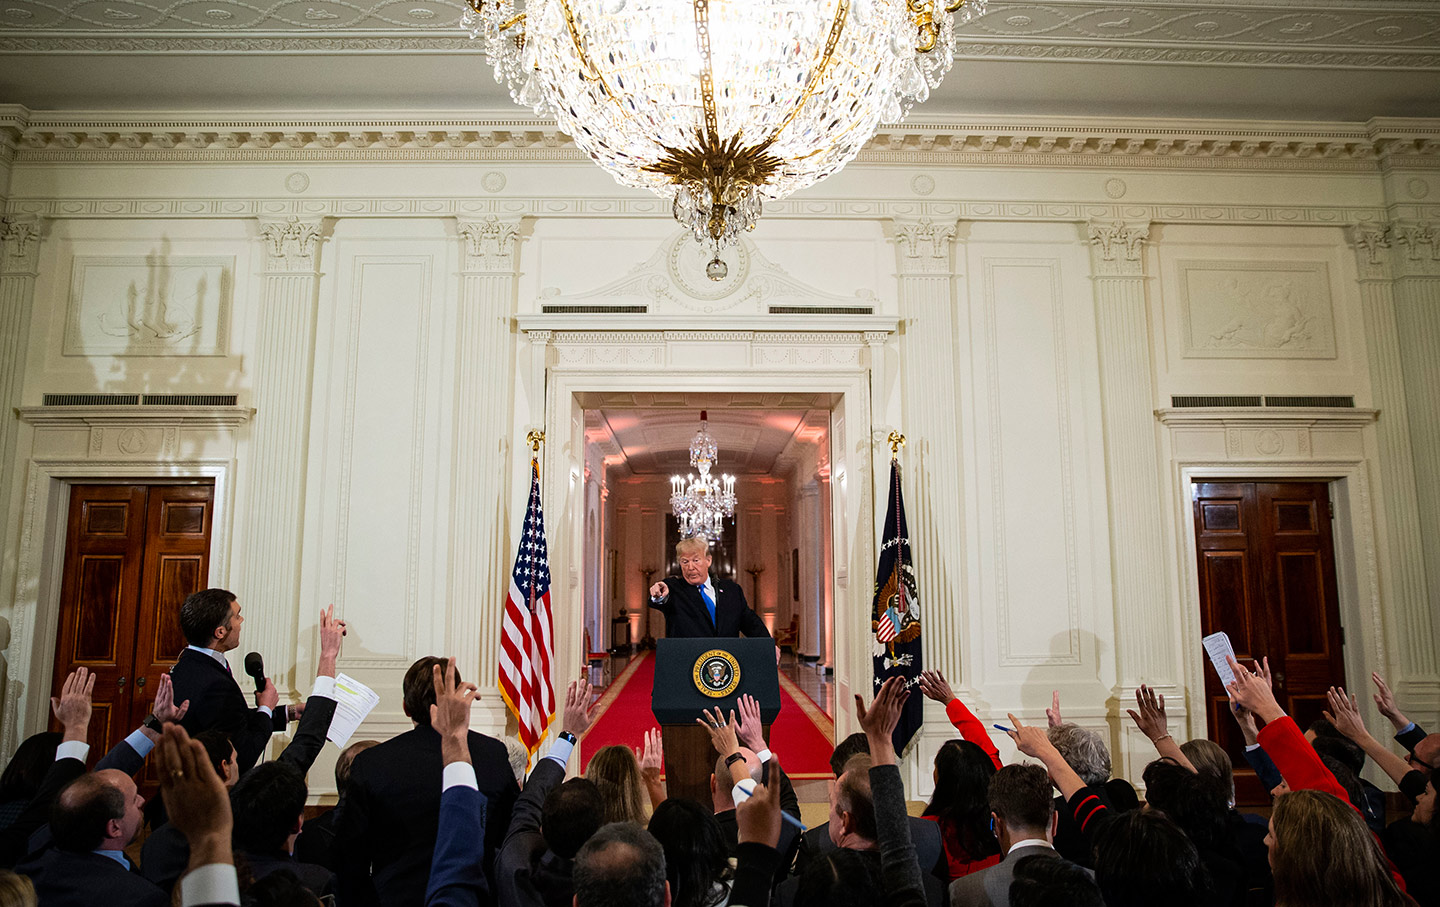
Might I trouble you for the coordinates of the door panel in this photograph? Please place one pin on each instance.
(1267, 578)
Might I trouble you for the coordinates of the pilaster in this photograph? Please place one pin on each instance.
(1414, 255)
(930, 461)
(480, 516)
(273, 512)
(19, 259)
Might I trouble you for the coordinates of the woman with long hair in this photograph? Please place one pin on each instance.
(961, 807)
(616, 772)
(697, 862)
(1322, 853)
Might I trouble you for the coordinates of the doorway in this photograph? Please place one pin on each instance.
(132, 555)
(1266, 569)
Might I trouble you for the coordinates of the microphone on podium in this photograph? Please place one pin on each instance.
(255, 667)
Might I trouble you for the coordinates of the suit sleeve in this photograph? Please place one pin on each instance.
(751, 625)
(525, 817)
(15, 840)
(351, 849)
(666, 605)
(899, 866)
(122, 757)
(972, 729)
(1297, 760)
(1264, 766)
(310, 733)
(1411, 738)
(249, 729)
(457, 870)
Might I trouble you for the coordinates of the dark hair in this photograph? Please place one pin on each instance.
(1348, 780)
(1142, 858)
(218, 747)
(1192, 802)
(27, 768)
(1022, 796)
(281, 888)
(1342, 749)
(852, 795)
(1040, 880)
(82, 810)
(695, 853)
(850, 746)
(962, 796)
(571, 814)
(1323, 854)
(839, 878)
(266, 801)
(202, 612)
(622, 865)
(346, 761)
(418, 688)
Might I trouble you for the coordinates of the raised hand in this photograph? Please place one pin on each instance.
(1030, 739)
(659, 590)
(450, 715)
(1385, 702)
(1251, 690)
(722, 732)
(1052, 714)
(1151, 718)
(165, 709)
(577, 715)
(750, 731)
(332, 634)
(934, 686)
(652, 754)
(879, 720)
(1246, 719)
(757, 817)
(72, 706)
(1344, 713)
(196, 799)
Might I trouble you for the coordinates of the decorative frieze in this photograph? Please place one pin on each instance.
(924, 245)
(1116, 248)
(490, 243)
(290, 244)
(19, 245)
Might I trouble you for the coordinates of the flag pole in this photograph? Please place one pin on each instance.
(897, 441)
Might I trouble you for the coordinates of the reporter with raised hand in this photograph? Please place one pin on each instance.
(1153, 723)
(1423, 749)
(457, 870)
(900, 870)
(757, 822)
(72, 709)
(1344, 713)
(198, 804)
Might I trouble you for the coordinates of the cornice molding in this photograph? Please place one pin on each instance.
(1222, 145)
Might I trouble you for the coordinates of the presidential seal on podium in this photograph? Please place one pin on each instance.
(716, 673)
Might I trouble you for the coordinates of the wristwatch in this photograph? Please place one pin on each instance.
(568, 737)
(153, 723)
(734, 758)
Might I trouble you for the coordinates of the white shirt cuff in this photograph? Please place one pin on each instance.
(72, 749)
(560, 751)
(742, 790)
(458, 774)
(213, 883)
(324, 687)
(266, 709)
(140, 743)
(764, 755)
(1250, 748)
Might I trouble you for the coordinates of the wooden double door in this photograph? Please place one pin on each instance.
(132, 555)
(1266, 561)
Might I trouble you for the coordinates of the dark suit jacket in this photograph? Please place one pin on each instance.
(527, 872)
(991, 886)
(15, 841)
(64, 879)
(457, 873)
(687, 616)
(385, 830)
(317, 879)
(929, 848)
(216, 702)
(316, 841)
(1411, 738)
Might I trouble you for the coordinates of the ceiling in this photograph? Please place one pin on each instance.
(1281, 60)
(648, 434)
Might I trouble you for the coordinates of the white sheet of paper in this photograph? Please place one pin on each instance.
(353, 701)
(1217, 646)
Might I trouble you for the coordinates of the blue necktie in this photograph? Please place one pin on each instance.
(709, 602)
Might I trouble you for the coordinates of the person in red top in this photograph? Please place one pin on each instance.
(963, 769)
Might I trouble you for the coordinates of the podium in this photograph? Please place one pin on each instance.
(692, 675)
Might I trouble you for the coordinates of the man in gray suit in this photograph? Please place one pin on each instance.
(1024, 813)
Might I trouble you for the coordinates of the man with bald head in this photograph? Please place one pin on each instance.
(92, 821)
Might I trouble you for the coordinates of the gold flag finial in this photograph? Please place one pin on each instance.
(897, 441)
(536, 438)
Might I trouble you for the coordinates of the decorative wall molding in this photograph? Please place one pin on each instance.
(19, 245)
(923, 246)
(1141, 144)
(290, 244)
(490, 243)
(1298, 434)
(1117, 248)
(1256, 309)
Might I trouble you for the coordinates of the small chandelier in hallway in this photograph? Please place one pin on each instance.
(701, 503)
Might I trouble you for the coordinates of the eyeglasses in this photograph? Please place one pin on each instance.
(1416, 760)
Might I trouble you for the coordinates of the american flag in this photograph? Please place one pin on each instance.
(527, 641)
(888, 625)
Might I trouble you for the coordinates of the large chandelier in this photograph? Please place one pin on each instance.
(720, 104)
(701, 503)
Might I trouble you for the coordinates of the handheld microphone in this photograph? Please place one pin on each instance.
(255, 667)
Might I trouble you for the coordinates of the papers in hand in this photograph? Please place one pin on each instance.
(353, 702)
(1217, 646)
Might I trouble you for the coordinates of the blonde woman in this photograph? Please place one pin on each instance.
(1323, 854)
(626, 778)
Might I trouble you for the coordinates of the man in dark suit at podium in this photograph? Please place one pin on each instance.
(695, 604)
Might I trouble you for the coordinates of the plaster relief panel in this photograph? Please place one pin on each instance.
(149, 305)
(1256, 310)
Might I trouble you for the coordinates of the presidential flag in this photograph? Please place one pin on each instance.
(527, 641)
(895, 614)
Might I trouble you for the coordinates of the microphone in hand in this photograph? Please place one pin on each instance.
(255, 667)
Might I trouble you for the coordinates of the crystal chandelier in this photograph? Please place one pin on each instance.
(720, 104)
(701, 503)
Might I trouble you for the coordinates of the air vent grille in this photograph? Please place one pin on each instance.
(822, 310)
(140, 400)
(1267, 401)
(562, 309)
(1322, 402)
(1194, 401)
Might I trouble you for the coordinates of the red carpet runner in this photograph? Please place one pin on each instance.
(801, 735)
